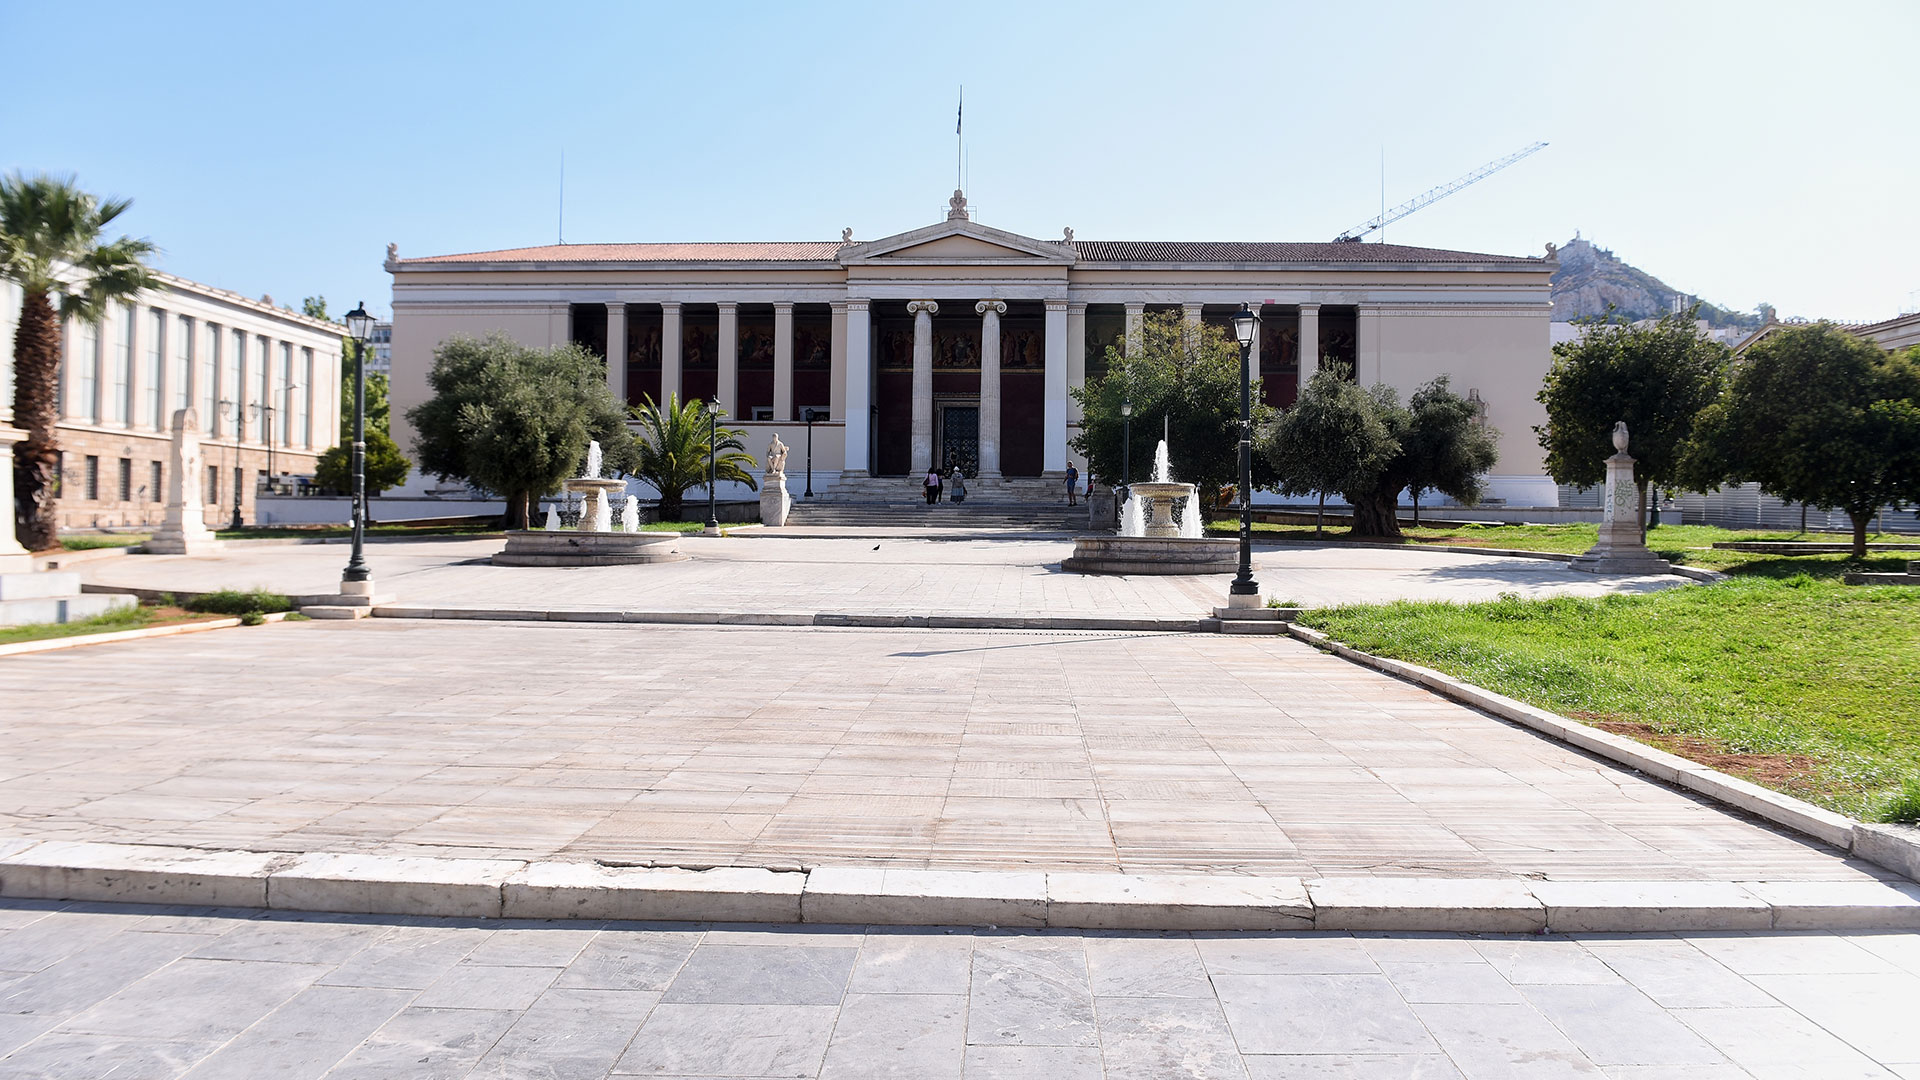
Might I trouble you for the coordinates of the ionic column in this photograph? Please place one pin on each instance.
(617, 352)
(858, 389)
(837, 361)
(727, 387)
(1136, 316)
(1053, 447)
(1191, 313)
(990, 312)
(137, 316)
(1076, 358)
(783, 362)
(669, 353)
(922, 430)
(1309, 343)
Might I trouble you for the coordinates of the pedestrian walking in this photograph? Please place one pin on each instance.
(1073, 485)
(957, 483)
(933, 486)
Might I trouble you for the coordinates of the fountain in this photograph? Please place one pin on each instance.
(593, 542)
(1161, 532)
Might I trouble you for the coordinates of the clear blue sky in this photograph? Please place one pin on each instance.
(1741, 151)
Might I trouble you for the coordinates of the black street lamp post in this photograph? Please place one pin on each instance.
(1244, 323)
(359, 325)
(713, 436)
(811, 416)
(239, 430)
(1126, 448)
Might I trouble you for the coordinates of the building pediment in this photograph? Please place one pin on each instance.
(958, 243)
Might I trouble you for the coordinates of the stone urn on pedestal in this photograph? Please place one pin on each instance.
(1620, 549)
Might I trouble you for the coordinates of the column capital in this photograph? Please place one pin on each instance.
(617, 305)
(1309, 307)
(837, 305)
(1056, 305)
(998, 307)
(1137, 308)
(670, 305)
(727, 307)
(852, 304)
(782, 305)
(928, 306)
(1076, 307)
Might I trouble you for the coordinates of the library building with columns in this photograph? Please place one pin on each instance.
(958, 344)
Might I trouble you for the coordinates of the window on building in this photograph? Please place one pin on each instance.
(288, 387)
(184, 371)
(213, 485)
(210, 383)
(120, 377)
(92, 484)
(153, 369)
(303, 400)
(262, 400)
(126, 479)
(233, 387)
(83, 358)
(155, 493)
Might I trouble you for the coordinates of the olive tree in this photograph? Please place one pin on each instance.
(516, 420)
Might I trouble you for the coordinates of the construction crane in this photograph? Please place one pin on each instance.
(1353, 235)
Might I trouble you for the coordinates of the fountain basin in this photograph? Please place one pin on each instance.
(1152, 554)
(1159, 503)
(566, 547)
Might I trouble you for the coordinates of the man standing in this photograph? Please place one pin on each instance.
(1073, 485)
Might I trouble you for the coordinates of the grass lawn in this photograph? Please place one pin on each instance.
(1780, 674)
(114, 540)
(682, 527)
(133, 618)
(1688, 545)
(337, 531)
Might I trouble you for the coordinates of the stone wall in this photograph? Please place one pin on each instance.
(148, 506)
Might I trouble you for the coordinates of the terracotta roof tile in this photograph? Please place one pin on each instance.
(1189, 251)
(1150, 251)
(803, 251)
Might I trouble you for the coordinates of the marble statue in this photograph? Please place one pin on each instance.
(1620, 548)
(1620, 436)
(393, 252)
(846, 235)
(184, 530)
(776, 457)
(1067, 234)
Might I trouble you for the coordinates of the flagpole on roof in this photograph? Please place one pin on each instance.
(959, 117)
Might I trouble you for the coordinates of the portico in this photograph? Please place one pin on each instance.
(960, 344)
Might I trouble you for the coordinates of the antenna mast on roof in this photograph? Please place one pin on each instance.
(561, 230)
(1425, 199)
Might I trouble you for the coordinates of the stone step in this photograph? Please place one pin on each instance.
(1251, 626)
(37, 586)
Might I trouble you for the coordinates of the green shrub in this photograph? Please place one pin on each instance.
(236, 602)
(252, 618)
(1903, 806)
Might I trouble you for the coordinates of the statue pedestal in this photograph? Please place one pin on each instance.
(775, 502)
(1620, 550)
(184, 531)
(14, 559)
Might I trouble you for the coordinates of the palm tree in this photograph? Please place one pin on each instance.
(50, 243)
(672, 444)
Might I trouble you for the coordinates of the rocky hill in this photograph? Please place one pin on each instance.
(1592, 278)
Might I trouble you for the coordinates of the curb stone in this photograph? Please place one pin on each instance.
(1895, 847)
(1149, 624)
(505, 888)
(22, 648)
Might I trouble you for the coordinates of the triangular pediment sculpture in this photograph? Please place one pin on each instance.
(959, 241)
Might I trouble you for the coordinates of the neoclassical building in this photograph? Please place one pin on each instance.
(959, 343)
(263, 381)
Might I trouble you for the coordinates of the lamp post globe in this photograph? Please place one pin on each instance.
(713, 436)
(1245, 591)
(359, 328)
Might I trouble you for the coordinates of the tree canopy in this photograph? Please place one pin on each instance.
(671, 451)
(1183, 379)
(51, 241)
(516, 420)
(1366, 445)
(1655, 377)
(1815, 415)
(387, 467)
(379, 412)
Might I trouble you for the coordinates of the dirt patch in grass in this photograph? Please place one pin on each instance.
(1782, 772)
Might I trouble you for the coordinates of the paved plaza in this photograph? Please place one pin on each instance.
(1006, 576)
(701, 746)
(90, 991)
